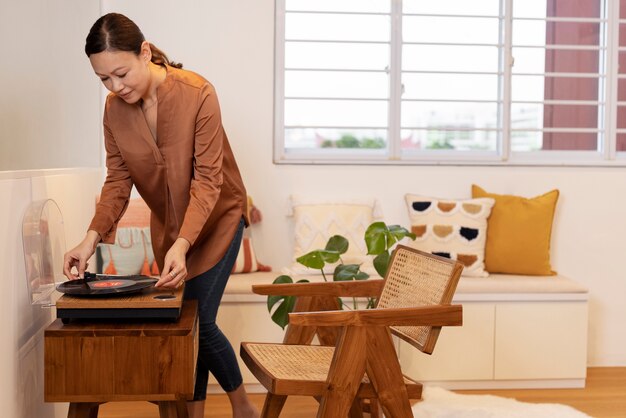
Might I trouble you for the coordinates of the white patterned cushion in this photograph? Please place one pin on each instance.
(456, 229)
(317, 221)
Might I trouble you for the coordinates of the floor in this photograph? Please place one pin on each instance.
(603, 397)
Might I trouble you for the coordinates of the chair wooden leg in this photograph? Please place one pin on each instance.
(372, 407)
(83, 410)
(345, 374)
(355, 410)
(385, 374)
(327, 335)
(273, 405)
(173, 409)
(375, 410)
(296, 334)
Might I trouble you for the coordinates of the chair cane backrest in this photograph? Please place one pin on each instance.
(415, 278)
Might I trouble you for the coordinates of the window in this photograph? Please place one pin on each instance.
(449, 81)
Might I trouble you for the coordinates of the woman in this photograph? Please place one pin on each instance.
(163, 134)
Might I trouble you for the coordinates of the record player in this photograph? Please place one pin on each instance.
(100, 296)
(94, 297)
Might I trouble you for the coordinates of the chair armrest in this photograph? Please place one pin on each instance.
(361, 288)
(434, 315)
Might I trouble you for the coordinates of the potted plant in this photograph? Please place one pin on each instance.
(380, 238)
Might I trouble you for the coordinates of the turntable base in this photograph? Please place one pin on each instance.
(151, 303)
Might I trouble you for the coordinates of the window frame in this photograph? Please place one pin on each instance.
(503, 155)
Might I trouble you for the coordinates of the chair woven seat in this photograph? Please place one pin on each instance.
(294, 362)
(308, 365)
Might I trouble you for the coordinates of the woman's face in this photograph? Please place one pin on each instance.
(123, 73)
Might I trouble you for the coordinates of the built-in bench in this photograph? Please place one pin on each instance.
(518, 332)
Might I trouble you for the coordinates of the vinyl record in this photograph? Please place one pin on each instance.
(104, 285)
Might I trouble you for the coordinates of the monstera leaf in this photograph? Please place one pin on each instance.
(337, 243)
(379, 239)
(317, 259)
(285, 303)
(344, 272)
(381, 263)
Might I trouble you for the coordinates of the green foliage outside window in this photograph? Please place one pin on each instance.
(351, 141)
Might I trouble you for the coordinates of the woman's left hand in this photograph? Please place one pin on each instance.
(175, 267)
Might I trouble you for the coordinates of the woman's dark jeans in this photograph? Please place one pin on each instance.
(215, 354)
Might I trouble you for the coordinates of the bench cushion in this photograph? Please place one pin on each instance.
(512, 283)
(504, 287)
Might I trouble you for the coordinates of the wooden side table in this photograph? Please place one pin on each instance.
(90, 363)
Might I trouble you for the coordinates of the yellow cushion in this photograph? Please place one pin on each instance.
(518, 233)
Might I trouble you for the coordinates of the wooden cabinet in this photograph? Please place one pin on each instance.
(87, 363)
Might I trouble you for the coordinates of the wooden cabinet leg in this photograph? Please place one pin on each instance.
(83, 410)
(173, 409)
(181, 407)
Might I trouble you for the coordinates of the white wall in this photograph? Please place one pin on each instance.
(21, 336)
(47, 113)
(49, 118)
(231, 43)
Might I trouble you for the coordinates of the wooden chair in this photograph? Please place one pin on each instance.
(413, 304)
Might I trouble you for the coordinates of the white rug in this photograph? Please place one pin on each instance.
(441, 403)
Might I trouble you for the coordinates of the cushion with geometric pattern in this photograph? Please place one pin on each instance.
(455, 229)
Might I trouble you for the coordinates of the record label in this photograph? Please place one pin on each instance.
(106, 284)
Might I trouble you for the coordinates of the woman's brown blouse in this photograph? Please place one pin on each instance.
(188, 178)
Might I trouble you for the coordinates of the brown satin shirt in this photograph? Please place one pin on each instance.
(188, 177)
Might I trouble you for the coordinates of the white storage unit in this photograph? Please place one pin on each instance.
(462, 353)
(518, 332)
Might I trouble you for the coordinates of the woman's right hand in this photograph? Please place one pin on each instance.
(78, 256)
